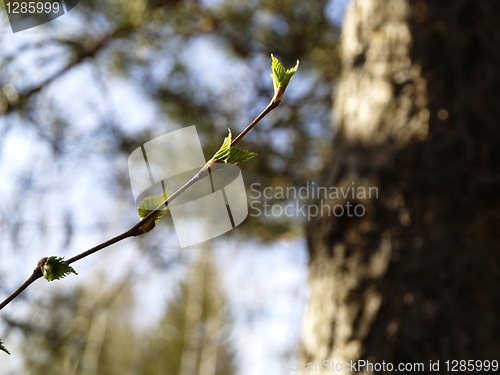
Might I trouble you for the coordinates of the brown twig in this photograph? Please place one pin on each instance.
(81, 53)
(137, 229)
(273, 104)
(37, 273)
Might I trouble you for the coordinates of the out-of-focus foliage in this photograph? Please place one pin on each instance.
(85, 331)
(192, 336)
(91, 331)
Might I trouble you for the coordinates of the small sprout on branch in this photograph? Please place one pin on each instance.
(232, 155)
(55, 268)
(281, 77)
(148, 205)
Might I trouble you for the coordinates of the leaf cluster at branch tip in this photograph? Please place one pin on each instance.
(281, 77)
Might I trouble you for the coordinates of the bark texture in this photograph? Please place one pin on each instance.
(417, 277)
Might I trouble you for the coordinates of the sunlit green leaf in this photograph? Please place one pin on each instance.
(237, 155)
(224, 149)
(281, 77)
(150, 203)
(55, 268)
(232, 155)
(147, 206)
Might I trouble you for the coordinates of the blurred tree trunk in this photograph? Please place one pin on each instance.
(416, 278)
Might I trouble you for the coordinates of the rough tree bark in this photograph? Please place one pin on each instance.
(417, 278)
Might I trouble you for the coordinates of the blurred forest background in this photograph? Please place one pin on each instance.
(77, 96)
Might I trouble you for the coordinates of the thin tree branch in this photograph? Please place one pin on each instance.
(101, 246)
(37, 273)
(272, 105)
(82, 52)
(137, 229)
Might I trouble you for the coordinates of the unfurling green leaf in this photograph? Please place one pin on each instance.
(281, 77)
(3, 348)
(232, 155)
(147, 206)
(55, 268)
